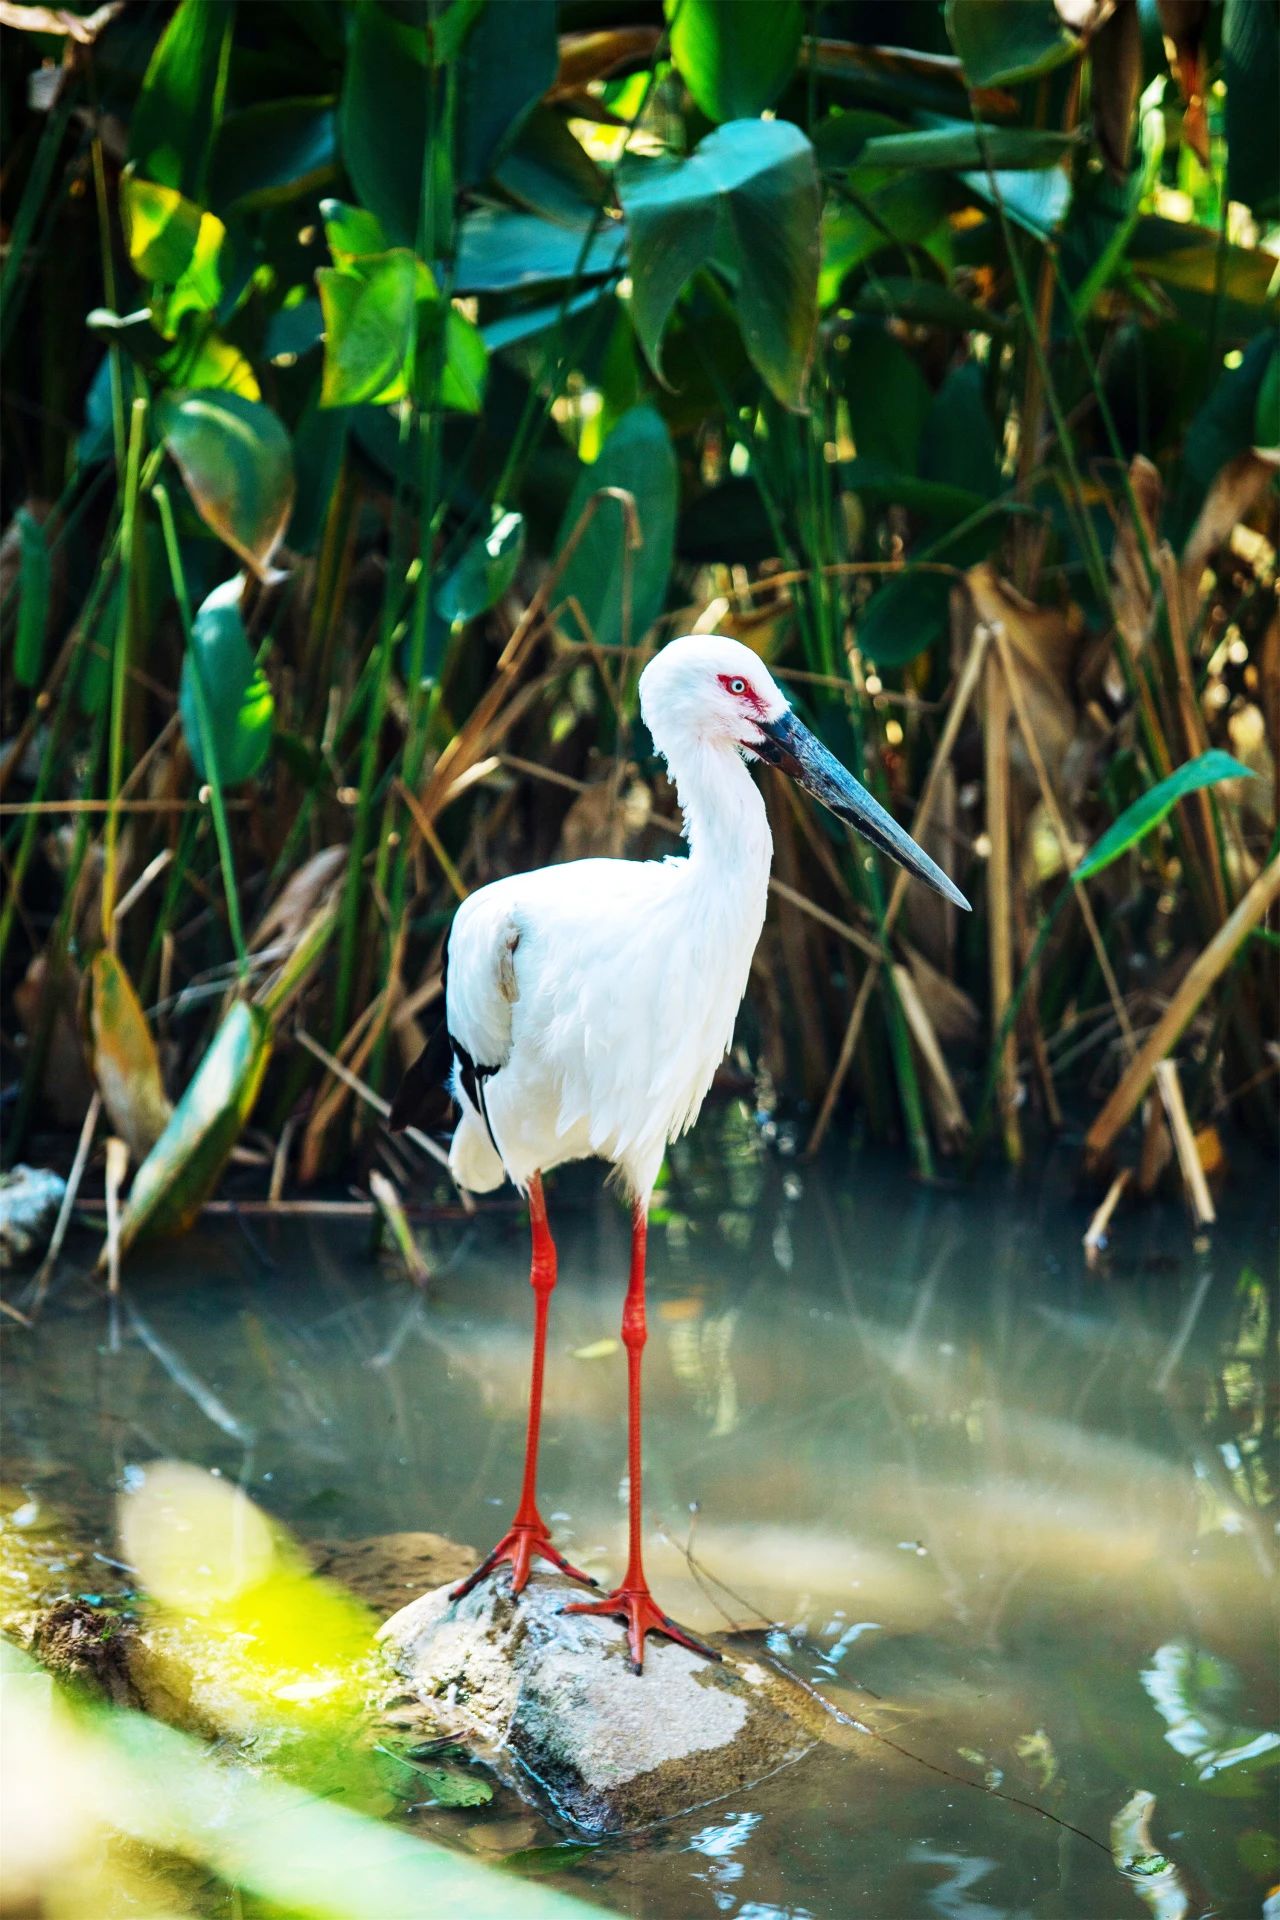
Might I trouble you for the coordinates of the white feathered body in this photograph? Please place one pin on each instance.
(605, 991)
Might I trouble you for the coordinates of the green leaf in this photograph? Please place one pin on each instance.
(1223, 427)
(33, 600)
(351, 231)
(908, 212)
(747, 198)
(734, 68)
(202, 359)
(235, 458)
(498, 250)
(274, 152)
(484, 572)
(926, 303)
(880, 484)
(508, 61)
(1035, 201)
(173, 121)
(1001, 41)
(238, 699)
(466, 366)
(889, 398)
(904, 618)
(161, 228)
(1251, 69)
(1266, 415)
(959, 144)
(551, 173)
(382, 119)
(183, 1167)
(526, 323)
(1155, 805)
(959, 444)
(637, 456)
(369, 310)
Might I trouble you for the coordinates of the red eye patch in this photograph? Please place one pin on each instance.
(741, 690)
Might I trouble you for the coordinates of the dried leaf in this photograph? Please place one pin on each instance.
(1045, 645)
(1116, 70)
(125, 1062)
(302, 892)
(1229, 500)
(1132, 592)
(595, 56)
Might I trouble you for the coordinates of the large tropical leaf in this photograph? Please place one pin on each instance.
(602, 575)
(499, 250)
(508, 61)
(172, 126)
(748, 199)
(734, 65)
(1000, 41)
(1251, 69)
(889, 398)
(1146, 812)
(382, 118)
(235, 457)
(239, 705)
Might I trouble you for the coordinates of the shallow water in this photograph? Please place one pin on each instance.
(1016, 1519)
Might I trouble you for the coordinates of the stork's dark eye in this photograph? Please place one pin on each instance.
(737, 686)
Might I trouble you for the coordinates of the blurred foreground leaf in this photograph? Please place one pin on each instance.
(235, 457)
(180, 1172)
(104, 1769)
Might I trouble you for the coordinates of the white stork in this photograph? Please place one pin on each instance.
(588, 1005)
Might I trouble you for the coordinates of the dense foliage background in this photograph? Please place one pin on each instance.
(383, 381)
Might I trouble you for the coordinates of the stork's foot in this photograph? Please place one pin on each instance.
(526, 1541)
(635, 1606)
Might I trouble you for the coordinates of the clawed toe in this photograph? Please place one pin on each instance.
(635, 1606)
(524, 1543)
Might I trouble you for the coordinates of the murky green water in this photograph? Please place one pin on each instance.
(1018, 1518)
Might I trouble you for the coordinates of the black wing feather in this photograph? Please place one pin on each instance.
(417, 1101)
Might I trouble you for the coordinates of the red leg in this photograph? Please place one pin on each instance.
(632, 1601)
(527, 1538)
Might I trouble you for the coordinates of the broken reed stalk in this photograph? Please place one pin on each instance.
(117, 1169)
(1201, 976)
(999, 915)
(1184, 1143)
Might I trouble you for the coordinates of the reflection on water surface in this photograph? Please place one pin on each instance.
(1016, 1520)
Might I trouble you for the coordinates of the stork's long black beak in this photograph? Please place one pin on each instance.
(788, 743)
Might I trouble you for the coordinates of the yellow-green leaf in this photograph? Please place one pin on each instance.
(235, 457)
(126, 1065)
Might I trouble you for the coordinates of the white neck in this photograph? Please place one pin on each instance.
(725, 823)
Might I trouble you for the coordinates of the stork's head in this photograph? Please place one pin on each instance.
(705, 690)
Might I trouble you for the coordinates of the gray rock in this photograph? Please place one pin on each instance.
(553, 1700)
(29, 1202)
